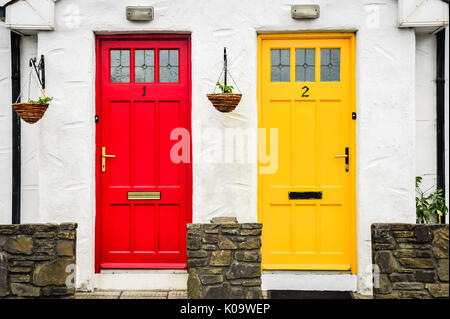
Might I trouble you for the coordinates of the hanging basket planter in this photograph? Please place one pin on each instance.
(224, 102)
(30, 112)
(227, 100)
(33, 111)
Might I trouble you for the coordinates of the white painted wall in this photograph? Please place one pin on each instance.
(29, 203)
(447, 117)
(30, 133)
(426, 165)
(426, 110)
(385, 128)
(65, 137)
(5, 126)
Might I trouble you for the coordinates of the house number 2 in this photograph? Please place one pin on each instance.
(306, 89)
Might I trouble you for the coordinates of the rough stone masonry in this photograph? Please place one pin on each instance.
(412, 261)
(37, 260)
(224, 259)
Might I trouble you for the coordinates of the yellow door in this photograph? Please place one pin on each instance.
(307, 205)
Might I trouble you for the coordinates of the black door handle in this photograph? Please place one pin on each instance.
(347, 156)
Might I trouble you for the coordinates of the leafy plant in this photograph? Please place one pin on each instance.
(429, 204)
(225, 88)
(41, 100)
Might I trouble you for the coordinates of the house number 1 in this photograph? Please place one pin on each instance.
(144, 91)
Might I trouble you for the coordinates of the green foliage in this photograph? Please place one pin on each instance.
(429, 203)
(42, 100)
(226, 88)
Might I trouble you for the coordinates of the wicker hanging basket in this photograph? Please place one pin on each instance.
(33, 111)
(30, 112)
(224, 102)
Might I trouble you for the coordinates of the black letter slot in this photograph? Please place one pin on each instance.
(305, 195)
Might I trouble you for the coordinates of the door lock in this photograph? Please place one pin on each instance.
(104, 156)
(346, 156)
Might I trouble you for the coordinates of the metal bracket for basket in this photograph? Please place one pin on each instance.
(225, 72)
(39, 69)
(225, 62)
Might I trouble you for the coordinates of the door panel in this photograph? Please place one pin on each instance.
(144, 144)
(169, 241)
(144, 225)
(306, 90)
(143, 93)
(169, 116)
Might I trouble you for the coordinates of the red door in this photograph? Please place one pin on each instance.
(143, 197)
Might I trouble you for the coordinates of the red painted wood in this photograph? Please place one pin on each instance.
(136, 128)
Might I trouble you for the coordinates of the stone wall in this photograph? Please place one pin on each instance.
(37, 260)
(224, 260)
(412, 261)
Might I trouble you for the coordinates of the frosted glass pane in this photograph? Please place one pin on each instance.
(285, 57)
(305, 65)
(144, 66)
(330, 65)
(115, 57)
(120, 66)
(275, 57)
(280, 65)
(275, 74)
(149, 57)
(310, 56)
(168, 65)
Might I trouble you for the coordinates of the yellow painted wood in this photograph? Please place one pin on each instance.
(314, 234)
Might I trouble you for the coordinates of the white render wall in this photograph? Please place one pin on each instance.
(30, 137)
(5, 126)
(61, 146)
(447, 124)
(426, 165)
(426, 110)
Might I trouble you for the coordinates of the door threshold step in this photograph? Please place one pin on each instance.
(309, 281)
(143, 271)
(141, 279)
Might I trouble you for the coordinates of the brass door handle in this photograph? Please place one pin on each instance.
(104, 156)
(346, 156)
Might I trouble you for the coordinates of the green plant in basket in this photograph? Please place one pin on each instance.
(225, 88)
(41, 100)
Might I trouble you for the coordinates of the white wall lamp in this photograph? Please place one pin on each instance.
(139, 13)
(305, 11)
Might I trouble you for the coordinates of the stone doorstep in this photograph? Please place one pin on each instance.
(137, 294)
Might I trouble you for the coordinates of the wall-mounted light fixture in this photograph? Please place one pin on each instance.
(139, 13)
(305, 11)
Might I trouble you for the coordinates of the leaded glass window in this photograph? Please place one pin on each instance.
(120, 66)
(168, 65)
(305, 65)
(144, 66)
(280, 65)
(330, 65)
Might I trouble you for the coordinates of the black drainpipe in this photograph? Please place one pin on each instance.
(440, 113)
(16, 156)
